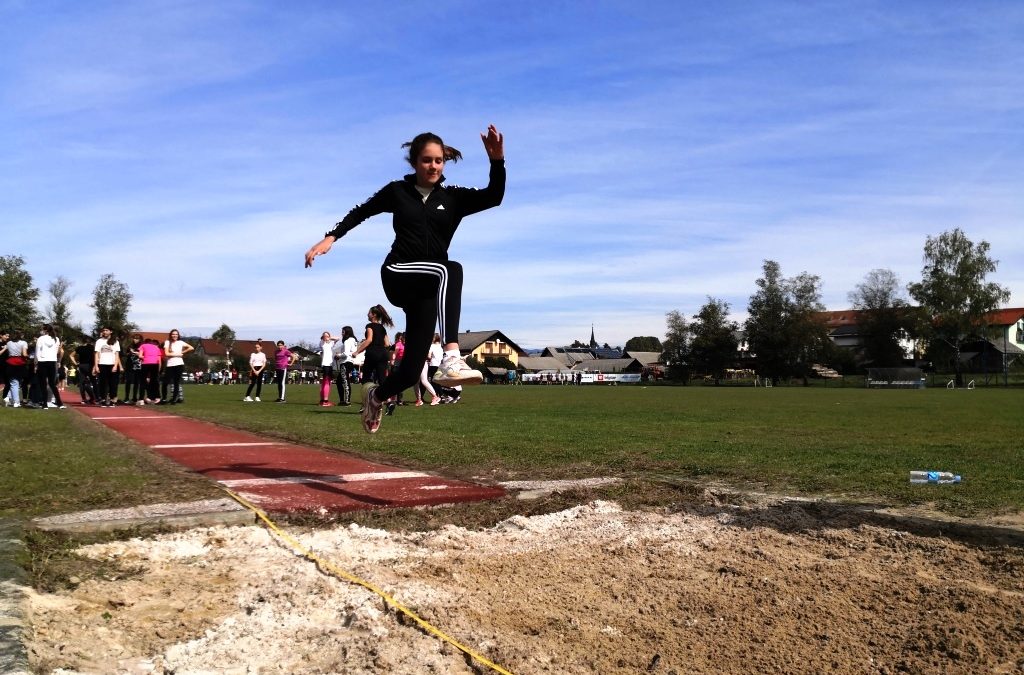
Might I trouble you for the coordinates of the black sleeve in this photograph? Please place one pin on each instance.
(381, 202)
(474, 200)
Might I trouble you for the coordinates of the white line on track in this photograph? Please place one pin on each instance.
(133, 417)
(340, 478)
(213, 445)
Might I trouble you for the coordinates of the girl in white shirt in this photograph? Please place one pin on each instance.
(174, 349)
(107, 367)
(344, 363)
(257, 364)
(48, 352)
(17, 358)
(327, 342)
(433, 360)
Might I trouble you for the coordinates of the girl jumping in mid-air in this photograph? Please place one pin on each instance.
(417, 274)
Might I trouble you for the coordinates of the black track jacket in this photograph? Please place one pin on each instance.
(424, 230)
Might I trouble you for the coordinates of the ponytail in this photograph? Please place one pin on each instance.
(382, 315)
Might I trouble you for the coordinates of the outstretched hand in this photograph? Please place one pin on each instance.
(494, 143)
(319, 248)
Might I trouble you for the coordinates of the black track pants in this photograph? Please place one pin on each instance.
(431, 294)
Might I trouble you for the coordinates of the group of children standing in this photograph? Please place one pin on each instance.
(284, 359)
(101, 364)
(152, 372)
(346, 360)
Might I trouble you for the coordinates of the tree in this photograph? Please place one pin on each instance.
(808, 334)
(225, 337)
(713, 346)
(112, 300)
(646, 343)
(499, 362)
(884, 317)
(58, 311)
(784, 328)
(17, 296)
(676, 354)
(766, 324)
(953, 291)
(195, 361)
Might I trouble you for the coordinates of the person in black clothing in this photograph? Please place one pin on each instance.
(81, 359)
(417, 274)
(375, 345)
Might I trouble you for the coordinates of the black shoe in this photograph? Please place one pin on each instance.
(389, 409)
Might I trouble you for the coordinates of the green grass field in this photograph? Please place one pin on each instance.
(849, 443)
(58, 461)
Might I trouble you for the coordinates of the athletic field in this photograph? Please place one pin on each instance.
(854, 443)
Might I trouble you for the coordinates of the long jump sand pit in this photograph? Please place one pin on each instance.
(773, 587)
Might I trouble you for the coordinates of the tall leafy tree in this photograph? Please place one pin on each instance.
(784, 328)
(713, 345)
(885, 317)
(676, 348)
(17, 296)
(112, 300)
(58, 309)
(953, 291)
(225, 337)
(765, 327)
(808, 333)
(646, 343)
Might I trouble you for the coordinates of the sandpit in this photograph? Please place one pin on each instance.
(776, 587)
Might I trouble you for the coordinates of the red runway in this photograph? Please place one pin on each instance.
(278, 476)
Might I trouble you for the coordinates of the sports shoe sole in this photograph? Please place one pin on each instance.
(449, 381)
(371, 418)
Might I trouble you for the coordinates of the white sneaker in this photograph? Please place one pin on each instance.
(51, 404)
(248, 399)
(257, 399)
(373, 410)
(454, 370)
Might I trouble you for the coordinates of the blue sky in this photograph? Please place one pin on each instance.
(657, 152)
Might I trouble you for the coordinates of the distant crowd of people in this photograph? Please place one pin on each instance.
(345, 361)
(135, 370)
(34, 374)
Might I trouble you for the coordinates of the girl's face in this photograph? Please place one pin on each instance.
(174, 335)
(429, 165)
(325, 336)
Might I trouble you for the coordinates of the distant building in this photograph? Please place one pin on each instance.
(486, 344)
(844, 331)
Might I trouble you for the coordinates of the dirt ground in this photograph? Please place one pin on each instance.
(774, 587)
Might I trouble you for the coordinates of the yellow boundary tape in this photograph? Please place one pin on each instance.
(325, 566)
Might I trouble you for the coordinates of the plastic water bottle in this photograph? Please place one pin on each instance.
(934, 477)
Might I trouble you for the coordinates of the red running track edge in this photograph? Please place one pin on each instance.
(278, 476)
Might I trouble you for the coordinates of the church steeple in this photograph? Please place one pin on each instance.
(593, 342)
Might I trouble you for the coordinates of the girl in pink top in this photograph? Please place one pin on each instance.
(151, 359)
